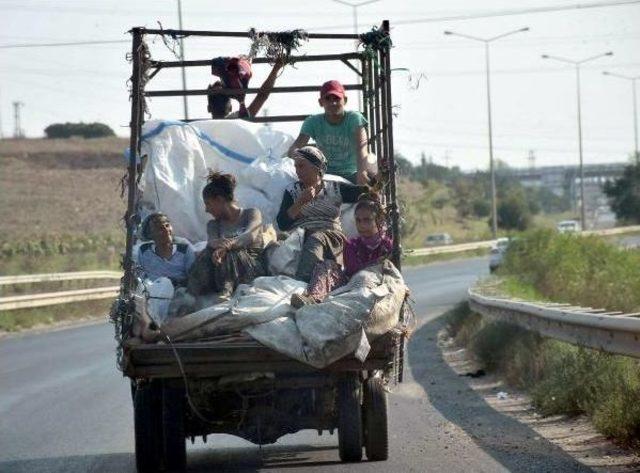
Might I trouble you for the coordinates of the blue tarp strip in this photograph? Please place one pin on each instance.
(201, 135)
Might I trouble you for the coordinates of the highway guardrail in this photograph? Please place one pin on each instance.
(612, 332)
(69, 276)
(63, 297)
(477, 245)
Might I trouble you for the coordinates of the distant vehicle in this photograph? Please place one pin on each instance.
(569, 226)
(438, 239)
(497, 253)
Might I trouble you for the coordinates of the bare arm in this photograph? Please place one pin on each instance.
(362, 154)
(300, 141)
(265, 89)
(253, 225)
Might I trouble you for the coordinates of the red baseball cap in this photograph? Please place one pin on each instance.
(332, 87)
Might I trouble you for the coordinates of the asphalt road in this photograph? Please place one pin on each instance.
(65, 408)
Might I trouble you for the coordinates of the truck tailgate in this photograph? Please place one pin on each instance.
(216, 359)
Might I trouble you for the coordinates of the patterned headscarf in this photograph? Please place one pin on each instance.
(313, 155)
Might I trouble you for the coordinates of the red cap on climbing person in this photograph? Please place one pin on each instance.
(332, 87)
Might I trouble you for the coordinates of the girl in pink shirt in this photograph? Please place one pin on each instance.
(370, 247)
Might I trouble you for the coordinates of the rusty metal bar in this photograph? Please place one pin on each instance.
(352, 67)
(260, 60)
(134, 144)
(236, 34)
(232, 92)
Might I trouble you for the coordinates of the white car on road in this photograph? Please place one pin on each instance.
(569, 226)
(497, 253)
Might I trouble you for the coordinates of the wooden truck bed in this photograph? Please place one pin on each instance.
(211, 359)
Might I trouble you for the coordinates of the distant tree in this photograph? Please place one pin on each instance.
(514, 212)
(481, 208)
(405, 168)
(547, 201)
(85, 130)
(624, 195)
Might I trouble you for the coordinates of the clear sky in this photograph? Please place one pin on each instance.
(445, 116)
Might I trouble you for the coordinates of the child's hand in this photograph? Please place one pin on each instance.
(218, 255)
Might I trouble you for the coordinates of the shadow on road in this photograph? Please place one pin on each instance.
(242, 459)
(516, 446)
(271, 457)
(121, 462)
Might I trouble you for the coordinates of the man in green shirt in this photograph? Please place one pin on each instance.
(340, 134)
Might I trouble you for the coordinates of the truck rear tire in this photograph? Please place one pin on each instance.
(376, 442)
(349, 419)
(147, 427)
(174, 438)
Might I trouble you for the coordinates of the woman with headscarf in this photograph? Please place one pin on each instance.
(313, 204)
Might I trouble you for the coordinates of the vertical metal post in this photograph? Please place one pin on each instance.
(371, 104)
(384, 151)
(377, 112)
(366, 110)
(134, 151)
(492, 169)
(395, 213)
(583, 220)
(184, 74)
(635, 122)
(355, 31)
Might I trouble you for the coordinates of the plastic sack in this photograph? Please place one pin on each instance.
(283, 257)
(158, 293)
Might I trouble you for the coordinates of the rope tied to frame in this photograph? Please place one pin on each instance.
(174, 44)
(374, 41)
(276, 45)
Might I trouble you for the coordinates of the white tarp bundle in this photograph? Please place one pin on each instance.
(368, 306)
(179, 155)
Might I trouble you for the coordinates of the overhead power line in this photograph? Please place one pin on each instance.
(498, 13)
(70, 43)
(523, 11)
(470, 16)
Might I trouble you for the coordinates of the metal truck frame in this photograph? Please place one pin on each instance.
(184, 390)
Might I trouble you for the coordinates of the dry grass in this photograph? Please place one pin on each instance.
(26, 147)
(55, 187)
(418, 210)
(561, 378)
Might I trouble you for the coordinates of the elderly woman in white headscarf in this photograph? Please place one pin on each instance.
(313, 203)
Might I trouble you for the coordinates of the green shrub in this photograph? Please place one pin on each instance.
(580, 270)
(85, 130)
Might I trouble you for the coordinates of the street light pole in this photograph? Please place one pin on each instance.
(494, 197)
(633, 80)
(184, 74)
(583, 215)
(577, 64)
(354, 10)
(486, 41)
